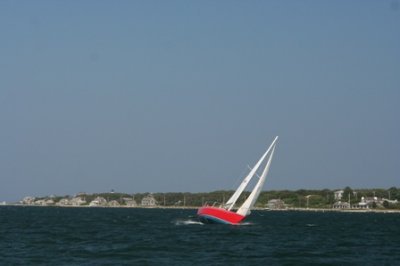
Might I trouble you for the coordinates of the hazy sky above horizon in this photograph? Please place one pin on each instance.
(162, 96)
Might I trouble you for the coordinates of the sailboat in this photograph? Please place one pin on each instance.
(225, 213)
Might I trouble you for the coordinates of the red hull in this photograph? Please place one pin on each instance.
(219, 215)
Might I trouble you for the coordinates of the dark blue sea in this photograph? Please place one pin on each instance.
(129, 236)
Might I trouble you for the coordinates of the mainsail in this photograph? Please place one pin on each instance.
(232, 200)
(251, 200)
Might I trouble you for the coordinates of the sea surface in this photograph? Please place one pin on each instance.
(133, 236)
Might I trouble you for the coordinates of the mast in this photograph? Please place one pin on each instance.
(232, 200)
(251, 200)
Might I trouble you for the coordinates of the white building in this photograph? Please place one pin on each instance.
(99, 201)
(275, 204)
(28, 200)
(49, 202)
(114, 203)
(78, 201)
(338, 194)
(390, 201)
(64, 202)
(341, 205)
(40, 202)
(130, 202)
(149, 201)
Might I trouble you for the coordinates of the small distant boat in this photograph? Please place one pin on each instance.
(225, 214)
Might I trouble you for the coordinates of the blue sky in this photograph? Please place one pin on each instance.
(159, 96)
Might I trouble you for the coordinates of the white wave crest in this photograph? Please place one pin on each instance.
(187, 222)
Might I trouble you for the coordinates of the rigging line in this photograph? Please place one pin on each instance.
(248, 166)
(239, 179)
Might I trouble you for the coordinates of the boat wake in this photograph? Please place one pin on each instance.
(188, 222)
(311, 225)
(196, 222)
(246, 224)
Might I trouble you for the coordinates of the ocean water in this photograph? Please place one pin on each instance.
(122, 236)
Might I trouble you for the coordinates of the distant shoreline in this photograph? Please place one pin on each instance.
(337, 210)
(196, 207)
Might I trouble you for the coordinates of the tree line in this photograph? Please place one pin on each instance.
(293, 198)
(296, 199)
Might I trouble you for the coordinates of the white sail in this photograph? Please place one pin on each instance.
(232, 200)
(251, 200)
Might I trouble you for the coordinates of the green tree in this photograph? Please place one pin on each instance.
(386, 204)
(347, 193)
(394, 193)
